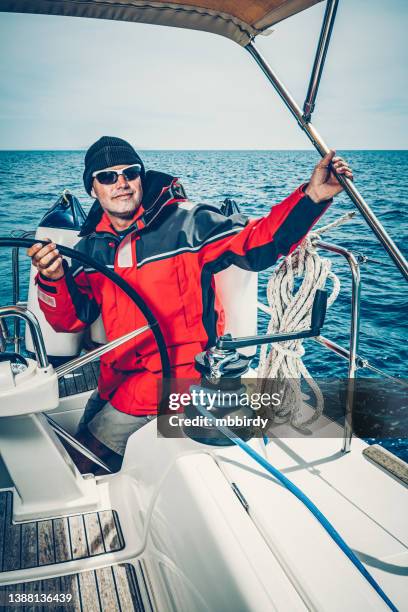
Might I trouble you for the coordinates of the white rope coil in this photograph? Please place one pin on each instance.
(290, 310)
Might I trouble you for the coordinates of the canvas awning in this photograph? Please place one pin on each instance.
(236, 19)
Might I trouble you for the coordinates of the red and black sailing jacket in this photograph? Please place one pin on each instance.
(169, 255)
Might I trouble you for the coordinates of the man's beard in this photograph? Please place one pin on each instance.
(127, 214)
(124, 214)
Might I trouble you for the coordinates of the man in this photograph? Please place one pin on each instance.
(142, 225)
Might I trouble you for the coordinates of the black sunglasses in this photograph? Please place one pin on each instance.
(110, 177)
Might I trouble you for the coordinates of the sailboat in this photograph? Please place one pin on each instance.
(189, 523)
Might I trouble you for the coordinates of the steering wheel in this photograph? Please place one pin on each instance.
(123, 285)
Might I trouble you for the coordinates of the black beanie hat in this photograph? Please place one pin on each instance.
(106, 152)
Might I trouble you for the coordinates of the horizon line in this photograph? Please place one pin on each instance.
(74, 150)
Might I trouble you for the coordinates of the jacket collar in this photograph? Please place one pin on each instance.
(159, 191)
(105, 226)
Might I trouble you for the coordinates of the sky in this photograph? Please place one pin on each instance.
(66, 81)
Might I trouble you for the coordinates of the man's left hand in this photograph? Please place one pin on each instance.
(323, 184)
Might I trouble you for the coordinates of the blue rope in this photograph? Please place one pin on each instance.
(265, 440)
(309, 504)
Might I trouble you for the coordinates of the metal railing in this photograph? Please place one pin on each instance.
(354, 334)
(15, 268)
(34, 327)
(355, 361)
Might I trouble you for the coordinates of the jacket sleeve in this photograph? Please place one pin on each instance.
(257, 244)
(68, 303)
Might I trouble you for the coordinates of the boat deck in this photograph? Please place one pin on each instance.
(50, 541)
(108, 589)
(83, 379)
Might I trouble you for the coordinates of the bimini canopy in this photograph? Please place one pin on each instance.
(238, 20)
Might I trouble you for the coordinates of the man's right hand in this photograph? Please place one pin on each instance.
(47, 260)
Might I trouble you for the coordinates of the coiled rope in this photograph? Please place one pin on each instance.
(290, 310)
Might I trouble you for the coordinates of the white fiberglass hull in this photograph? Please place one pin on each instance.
(215, 554)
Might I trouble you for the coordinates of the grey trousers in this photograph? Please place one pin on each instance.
(108, 425)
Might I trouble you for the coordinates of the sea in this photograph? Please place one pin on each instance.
(31, 181)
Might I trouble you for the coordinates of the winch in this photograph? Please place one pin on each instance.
(221, 391)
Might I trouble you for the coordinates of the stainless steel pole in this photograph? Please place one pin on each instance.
(360, 361)
(76, 444)
(322, 148)
(16, 296)
(4, 336)
(35, 330)
(16, 286)
(82, 360)
(354, 336)
(320, 58)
